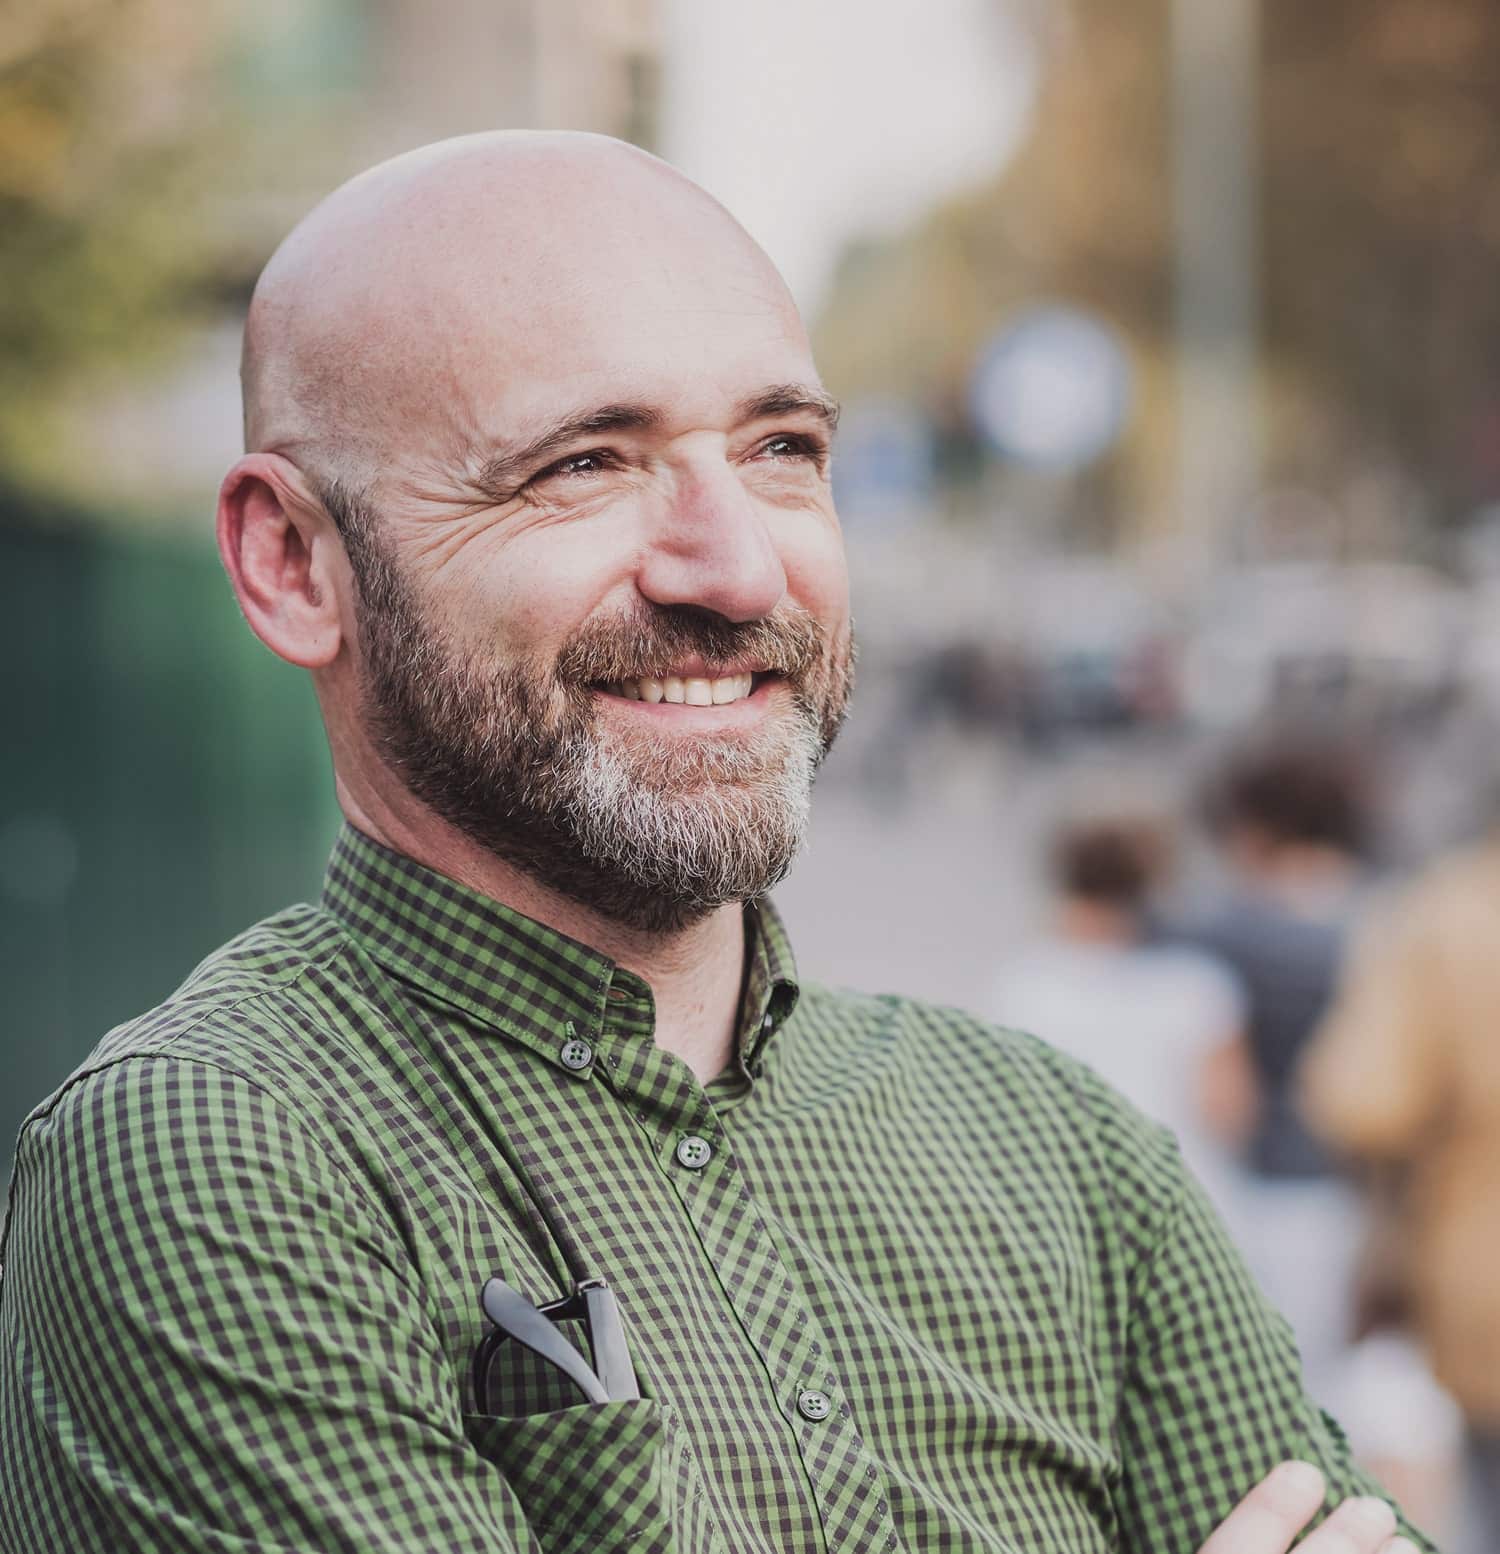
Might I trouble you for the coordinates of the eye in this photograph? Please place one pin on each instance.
(576, 466)
(789, 447)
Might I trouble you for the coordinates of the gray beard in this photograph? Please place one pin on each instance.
(729, 835)
(652, 833)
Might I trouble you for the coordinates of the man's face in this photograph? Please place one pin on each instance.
(602, 606)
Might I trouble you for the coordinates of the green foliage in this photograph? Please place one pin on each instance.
(108, 129)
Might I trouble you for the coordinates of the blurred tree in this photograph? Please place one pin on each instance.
(1082, 213)
(1381, 129)
(1380, 216)
(109, 125)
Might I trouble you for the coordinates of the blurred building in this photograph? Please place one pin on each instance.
(468, 64)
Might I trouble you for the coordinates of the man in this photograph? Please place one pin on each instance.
(537, 490)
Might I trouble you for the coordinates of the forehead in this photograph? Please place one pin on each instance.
(688, 332)
(422, 310)
(448, 294)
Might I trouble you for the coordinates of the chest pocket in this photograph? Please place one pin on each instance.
(602, 1477)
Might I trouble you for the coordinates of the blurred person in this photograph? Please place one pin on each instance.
(1405, 1073)
(537, 490)
(1161, 1022)
(1291, 821)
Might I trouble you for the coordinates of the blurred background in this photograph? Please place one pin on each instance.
(1168, 334)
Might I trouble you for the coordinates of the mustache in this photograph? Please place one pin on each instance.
(789, 643)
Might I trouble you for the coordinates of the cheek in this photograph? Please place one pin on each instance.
(817, 572)
(537, 595)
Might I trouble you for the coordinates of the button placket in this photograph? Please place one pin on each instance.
(763, 1293)
(838, 1436)
(695, 1150)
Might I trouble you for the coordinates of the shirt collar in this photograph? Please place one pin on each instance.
(771, 986)
(516, 975)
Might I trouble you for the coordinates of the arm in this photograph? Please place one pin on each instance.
(213, 1342)
(1213, 1395)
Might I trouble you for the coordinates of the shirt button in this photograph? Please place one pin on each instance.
(576, 1054)
(814, 1405)
(694, 1152)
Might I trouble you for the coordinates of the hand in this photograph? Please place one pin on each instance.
(1281, 1505)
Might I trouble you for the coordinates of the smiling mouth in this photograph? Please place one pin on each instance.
(693, 692)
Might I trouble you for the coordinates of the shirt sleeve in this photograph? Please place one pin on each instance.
(1213, 1395)
(215, 1344)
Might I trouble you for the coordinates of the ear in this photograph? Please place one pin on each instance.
(283, 557)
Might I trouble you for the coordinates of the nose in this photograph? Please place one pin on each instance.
(712, 549)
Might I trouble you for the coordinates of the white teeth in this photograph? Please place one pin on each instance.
(693, 692)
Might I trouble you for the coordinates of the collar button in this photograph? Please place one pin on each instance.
(576, 1055)
(694, 1152)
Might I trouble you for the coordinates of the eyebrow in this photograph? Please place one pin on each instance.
(790, 399)
(508, 467)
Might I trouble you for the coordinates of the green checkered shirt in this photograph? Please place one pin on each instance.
(897, 1280)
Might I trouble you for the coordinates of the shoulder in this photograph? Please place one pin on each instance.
(243, 1015)
(206, 1109)
(944, 1038)
(1007, 1091)
(1448, 908)
(1242, 924)
(1460, 882)
(1039, 965)
(1195, 972)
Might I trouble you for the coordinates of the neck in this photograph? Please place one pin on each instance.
(695, 974)
(1086, 921)
(1303, 874)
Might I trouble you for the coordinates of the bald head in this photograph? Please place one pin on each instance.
(395, 312)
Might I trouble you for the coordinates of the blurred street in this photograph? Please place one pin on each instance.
(923, 895)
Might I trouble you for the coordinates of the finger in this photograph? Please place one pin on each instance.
(1399, 1546)
(1272, 1514)
(1362, 1526)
